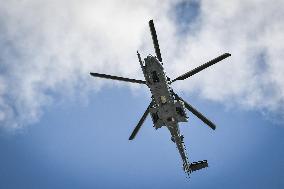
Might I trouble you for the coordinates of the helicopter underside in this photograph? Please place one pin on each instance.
(166, 107)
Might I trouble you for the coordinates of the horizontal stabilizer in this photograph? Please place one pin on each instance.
(194, 166)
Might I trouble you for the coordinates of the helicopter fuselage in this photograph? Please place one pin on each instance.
(166, 110)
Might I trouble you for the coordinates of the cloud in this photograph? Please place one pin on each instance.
(47, 49)
(251, 31)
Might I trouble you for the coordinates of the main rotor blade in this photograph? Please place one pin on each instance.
(197, 113)
(118, 78)
(202, 67)
(155, 40)
(141, 121)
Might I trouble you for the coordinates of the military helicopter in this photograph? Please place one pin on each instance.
(166, 107)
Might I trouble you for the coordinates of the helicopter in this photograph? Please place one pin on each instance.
(167, 109)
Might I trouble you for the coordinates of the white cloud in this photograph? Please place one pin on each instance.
(252, 31)
(49, 47)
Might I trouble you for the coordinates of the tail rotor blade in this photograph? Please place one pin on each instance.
(155, 40)
(140, 123)
(202, 67)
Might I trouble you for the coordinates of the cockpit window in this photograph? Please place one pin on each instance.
(155, 77)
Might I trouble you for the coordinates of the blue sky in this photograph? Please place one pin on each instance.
(61, 128)
(75, 146)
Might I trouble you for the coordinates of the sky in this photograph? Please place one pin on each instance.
(61, 128)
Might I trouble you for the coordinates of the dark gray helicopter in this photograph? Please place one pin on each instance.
(167, 108)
